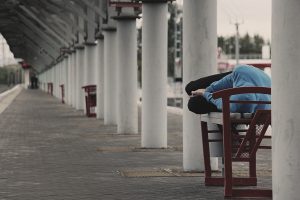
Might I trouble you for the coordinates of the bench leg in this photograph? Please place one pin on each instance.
(87, 106)
(227, 145)
(252, 162)
(206, 153)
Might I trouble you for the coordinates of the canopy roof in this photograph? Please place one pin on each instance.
(39, 31)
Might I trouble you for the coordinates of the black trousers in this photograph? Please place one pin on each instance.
(198, 104)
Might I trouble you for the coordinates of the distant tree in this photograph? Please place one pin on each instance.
(172, 8)
(139, 55)
(258, 43)
(230, 41)
(3, 75)
(248, 44)
(222, 42)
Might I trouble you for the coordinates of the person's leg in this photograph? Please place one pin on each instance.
(199, 105)
(31, 84)
(204, 82)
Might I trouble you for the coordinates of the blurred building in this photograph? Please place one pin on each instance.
(6, 57)
(178, 54)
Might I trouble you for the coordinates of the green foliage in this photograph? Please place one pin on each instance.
(3, 75)
(248, 44)
(10, 74)
(172, 8)
(258, 43)
(139, 55)
(221, 42)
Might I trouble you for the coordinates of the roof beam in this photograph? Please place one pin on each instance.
(50, 31)
(79, 11)
(40, 49)
(54, 53)
(90, 30)
(39, 31)
(93, 7)
(69, 35)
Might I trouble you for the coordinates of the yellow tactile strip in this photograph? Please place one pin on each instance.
(167, 172)
(157, 172)
(116, 149)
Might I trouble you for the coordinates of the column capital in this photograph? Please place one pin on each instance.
(89, 43)
(109, 29)
(72, 50)
(79, 46)
(155, 1)
(126, 17)
(99, 36)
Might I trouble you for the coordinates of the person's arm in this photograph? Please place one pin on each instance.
(224, 83)
(203, 82)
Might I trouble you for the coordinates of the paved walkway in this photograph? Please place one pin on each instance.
(50, 151)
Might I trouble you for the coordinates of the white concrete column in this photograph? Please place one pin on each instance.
(127, 109)
(62, 77)
(43, 76)
(199, 60)
(40, 78)
(26, 78)
(44, 81)
(90, 64)
(89, 67)
(48, 78)
(57, 81)
(79, 78)
(100, 78)
(70, 68)
(53, 80)
(56, 78)
(154, 75)
(84, 66)
(73, 80)
(110, 77)
(66, 69)
(285, 99)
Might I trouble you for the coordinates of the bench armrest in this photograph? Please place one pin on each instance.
(241, 90)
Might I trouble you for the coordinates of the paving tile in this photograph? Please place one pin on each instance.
(49, 151)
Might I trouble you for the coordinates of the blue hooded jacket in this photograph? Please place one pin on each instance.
(242, 76)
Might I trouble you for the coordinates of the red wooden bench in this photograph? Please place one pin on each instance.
(50, 88)
(239, 145)
(62, 93)
(90, 100)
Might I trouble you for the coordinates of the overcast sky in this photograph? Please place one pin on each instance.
(254, 16)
